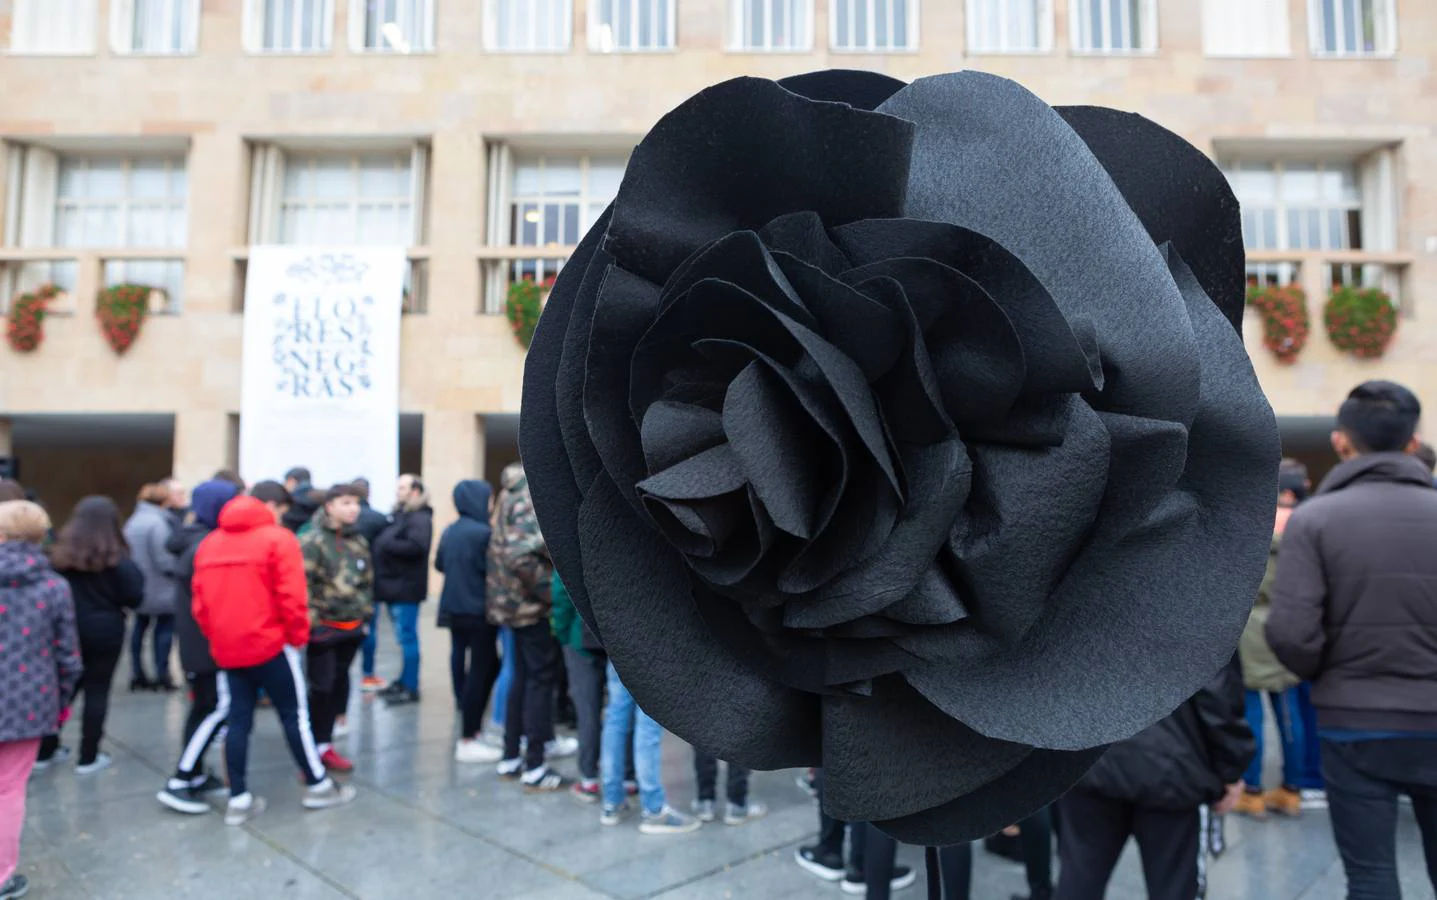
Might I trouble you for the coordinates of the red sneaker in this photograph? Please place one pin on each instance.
(334, 762)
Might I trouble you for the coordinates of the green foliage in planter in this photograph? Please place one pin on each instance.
(1360, 321)
(1285, 320)
(523, 305)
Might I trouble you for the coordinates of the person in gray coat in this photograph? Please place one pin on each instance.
(148, 532)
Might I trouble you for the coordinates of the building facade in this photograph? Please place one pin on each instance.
(155, 141)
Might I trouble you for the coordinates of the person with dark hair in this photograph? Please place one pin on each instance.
(371, 521)
(42, 656)
(474, 658)
(340, 583)
(1353, 612)
(231, 476)
(275, 496)
(148, 532)
(303, 503)
(1263, 675)
(92, 554)
(185, 791)
(401, 582)
(1152, 788)
(1427, 454)
(250, 603)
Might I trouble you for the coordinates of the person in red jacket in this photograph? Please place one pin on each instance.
(250, 601)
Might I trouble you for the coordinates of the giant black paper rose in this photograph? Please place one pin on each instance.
(886, 428)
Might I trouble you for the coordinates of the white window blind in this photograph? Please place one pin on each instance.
(554, 200)
(115, 202)
(289, 26)
(1246, 28)
(626, 26)
(1353, 27)
(53, 26)
(874, 26)
(1298, 206)
(1010, 26)
(364, 199)
(391, 26)
(1114, 26)
(528, 26)
(33, 175)
(772, 25)
(156, 27)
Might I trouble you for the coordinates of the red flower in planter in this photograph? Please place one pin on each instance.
(122, 310)
(1285, 321)
(25, 326)
(1360, 321)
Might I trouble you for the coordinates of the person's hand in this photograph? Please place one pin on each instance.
(1229, 799)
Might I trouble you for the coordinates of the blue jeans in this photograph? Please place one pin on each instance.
(1309, 775)
(506, 676)
(624, 720)
(164, 639)
(1288, 718)
(405, 619)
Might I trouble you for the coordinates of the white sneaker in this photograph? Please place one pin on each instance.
(243, 808)
(1314, 799)
(467, 751)
(561, 747)
(737, 815)
(328, 794)
(509, 768)
(102, 762)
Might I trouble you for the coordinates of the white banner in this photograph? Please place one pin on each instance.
(320, 382)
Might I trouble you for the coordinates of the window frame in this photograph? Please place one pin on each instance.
(737, 22)
(584, 200)
(123, 30)
(91, 16)
(1044, 13)
(491, 30)
(1277, 168)
(595, 24)
(915, 30)
(1148, 31)
(254, 27)
(429, 12)
(1386, 33)
(1283, 51)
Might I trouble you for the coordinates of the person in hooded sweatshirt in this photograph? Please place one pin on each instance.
(148, 532)
(474, 659)
(251, 603)
(41, 649)
(401, 583)
(185, 791)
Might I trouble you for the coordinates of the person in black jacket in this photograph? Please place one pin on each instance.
(303, 504)
(1152, 787)
(210, 704)
(371, 521)
(92, 555)
(401, 583)
(474, 662)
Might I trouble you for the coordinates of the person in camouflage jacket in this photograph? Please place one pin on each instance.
(519, 570)
(520, 596)
(340, 578)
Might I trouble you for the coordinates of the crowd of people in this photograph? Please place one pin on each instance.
(272, 590)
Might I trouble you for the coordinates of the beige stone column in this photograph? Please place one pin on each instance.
(201, 444)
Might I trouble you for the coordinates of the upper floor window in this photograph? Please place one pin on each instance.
(341, 198)
(288, 26)
(622, 26)
(391, 26)
(779, 25)
(1246, 28)
(555, 199)
(155, 27)
(1010, 26)
(1114, 26)
(537, 26)
(60, 27)
(875, 26)
(1353, 27)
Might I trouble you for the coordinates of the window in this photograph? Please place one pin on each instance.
(347, 199)
(1246, 28)
(391, 26)
(1010, 26)
(1297, 206)
(53, 26)
(874, 26)
(154, 27)
(626, 26)
(1114, 26)
(535, 26)
(288, 26)
(771, 24)
(1353, 27)
(554, 202)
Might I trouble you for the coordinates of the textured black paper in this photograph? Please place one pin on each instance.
(906, 430)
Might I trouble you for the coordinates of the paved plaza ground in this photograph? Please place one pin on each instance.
(425, 827)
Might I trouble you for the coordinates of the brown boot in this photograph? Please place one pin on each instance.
(1250, 804)
(1284, 801)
